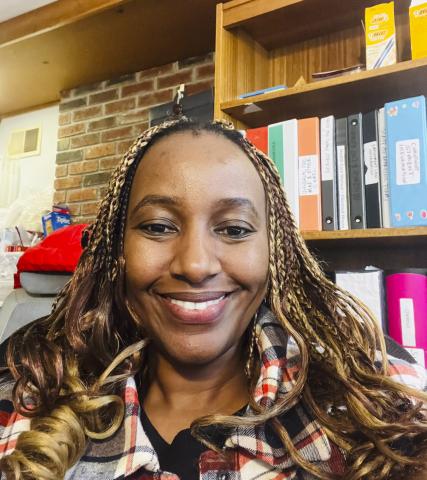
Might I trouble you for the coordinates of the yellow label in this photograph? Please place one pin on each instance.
(380, 35)
(418, 24)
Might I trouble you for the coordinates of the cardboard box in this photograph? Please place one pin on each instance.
(380, 32)
(54, 221)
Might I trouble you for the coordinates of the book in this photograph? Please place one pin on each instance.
(407, 311)
(384, 175)
(259, 137)
(310, 208)
(368, 286)
(372, 170)
(341, 139)
(406, 127)
(283, 150)
(275, 146)
(262, 91)
(356, 172)
(328, 173)
(290, 165)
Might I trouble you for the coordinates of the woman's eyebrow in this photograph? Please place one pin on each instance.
(155, 200)
(238, 202)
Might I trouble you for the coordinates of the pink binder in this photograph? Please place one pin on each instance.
(407, 309)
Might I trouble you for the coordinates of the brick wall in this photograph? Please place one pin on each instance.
(98, 123)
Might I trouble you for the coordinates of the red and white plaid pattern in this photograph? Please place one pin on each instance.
(249, 453)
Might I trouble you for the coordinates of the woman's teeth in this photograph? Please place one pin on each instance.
(196, 305)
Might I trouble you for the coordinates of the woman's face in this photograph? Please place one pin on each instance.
(196, 246)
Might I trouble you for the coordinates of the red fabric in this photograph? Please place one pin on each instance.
(58, 252)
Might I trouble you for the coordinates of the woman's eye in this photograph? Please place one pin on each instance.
(234, 231)
(157, 229)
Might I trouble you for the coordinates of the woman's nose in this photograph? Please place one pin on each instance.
(195, 258)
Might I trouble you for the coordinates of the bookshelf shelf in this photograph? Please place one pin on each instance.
(361, 91)
(264, 20)
(386, 248)
(372, 234)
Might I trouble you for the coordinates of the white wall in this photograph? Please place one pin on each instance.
(36, 172)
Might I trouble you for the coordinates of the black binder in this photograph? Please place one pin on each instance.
(372, 170)
(343, 196)
(356, 172)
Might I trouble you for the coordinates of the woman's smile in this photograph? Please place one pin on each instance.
(196, 308)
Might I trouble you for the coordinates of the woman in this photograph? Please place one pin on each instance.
(196, 303)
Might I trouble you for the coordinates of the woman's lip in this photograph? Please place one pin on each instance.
(195, 296)
(206, 316)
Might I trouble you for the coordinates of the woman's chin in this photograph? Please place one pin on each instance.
(196, 354)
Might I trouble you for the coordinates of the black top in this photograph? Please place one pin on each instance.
(181, 456)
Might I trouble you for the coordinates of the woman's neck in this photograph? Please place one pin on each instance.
(178, 394)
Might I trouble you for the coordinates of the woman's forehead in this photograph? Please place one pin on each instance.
(207, 163)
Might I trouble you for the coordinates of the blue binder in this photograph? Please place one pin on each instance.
(407, 149)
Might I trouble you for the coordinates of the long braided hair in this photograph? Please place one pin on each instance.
(92, 342)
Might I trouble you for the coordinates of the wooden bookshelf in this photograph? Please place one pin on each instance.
(263, 43)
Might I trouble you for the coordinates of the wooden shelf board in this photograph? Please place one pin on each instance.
(275, 23)
(375, 244)
(369, 233)
(340, 96)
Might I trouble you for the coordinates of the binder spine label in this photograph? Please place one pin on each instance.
(308, 175)
(385, 183)
(327, 156)
(342, 188)
(370, 151)
(407, 319)
(408, 167)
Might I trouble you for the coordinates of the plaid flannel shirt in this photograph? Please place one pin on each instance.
(249, 453)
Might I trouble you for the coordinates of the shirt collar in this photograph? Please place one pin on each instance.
(280, 365)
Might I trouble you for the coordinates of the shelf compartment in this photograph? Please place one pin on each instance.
(358, 92)
(275, 23)
(386, 248)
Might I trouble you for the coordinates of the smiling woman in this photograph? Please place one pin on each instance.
(199, 338)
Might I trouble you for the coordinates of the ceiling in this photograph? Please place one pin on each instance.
(13, 8)
(131, 36)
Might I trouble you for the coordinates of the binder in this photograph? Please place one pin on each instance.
(259, 137)
(406, 127)
(356, 172)
(328, 173)
(372, 170)
(341, 139)
(368, 286)
(309, 174)
(407, 310)
(384, 175)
